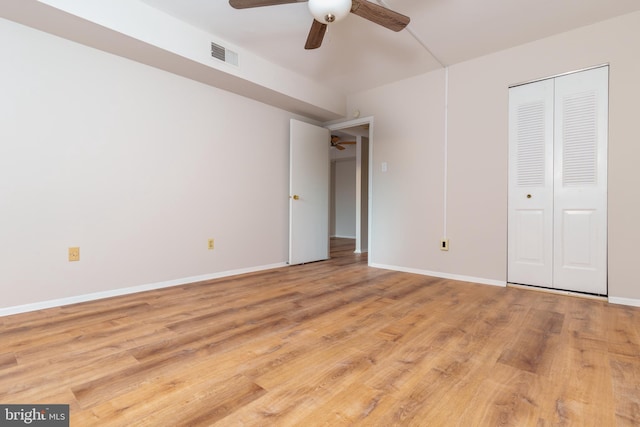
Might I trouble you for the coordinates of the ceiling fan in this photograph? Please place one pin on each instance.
(335, 142)
(328, 11)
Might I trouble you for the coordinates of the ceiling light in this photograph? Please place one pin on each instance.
(327, 11)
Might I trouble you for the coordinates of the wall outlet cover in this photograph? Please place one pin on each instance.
(74, 254)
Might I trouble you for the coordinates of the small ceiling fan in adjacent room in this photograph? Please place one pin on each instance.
(328, 11)
(336, 143)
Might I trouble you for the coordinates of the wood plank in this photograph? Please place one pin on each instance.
(7, 360)
(503, 397)
(533, 349)
(626, 389)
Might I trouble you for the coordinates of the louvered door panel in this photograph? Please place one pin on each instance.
(580, 139)
(531, 184)
(580, 184)
(530, 146)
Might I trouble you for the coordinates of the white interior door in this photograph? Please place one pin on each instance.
(580, 185)
(309, 181)
(531, 184)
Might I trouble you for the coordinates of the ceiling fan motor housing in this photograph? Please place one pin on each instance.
(327, 11)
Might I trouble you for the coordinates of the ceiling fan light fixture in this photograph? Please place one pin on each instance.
(328, 11)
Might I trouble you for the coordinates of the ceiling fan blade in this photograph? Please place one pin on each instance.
(348, 142)
(316, 34)
(245, 4)
(339, 147)
(380, 15)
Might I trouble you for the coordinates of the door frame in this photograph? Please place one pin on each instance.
(349, 124)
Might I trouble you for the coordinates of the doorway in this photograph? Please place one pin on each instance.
(355, 156)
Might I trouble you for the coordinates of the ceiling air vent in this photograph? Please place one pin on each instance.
(224, 54)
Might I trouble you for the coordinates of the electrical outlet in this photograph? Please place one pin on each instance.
(210, 244)
(444, 244)
(74, 254)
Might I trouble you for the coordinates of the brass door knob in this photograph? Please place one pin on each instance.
(296, 197)
(528, 196)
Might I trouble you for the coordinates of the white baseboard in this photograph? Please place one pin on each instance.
(338, 236)
(131, 290)
(461, 278)
(625, 301)
(187, 280)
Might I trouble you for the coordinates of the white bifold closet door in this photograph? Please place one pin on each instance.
(558, 182)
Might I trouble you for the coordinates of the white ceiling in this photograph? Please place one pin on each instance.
(358, 54)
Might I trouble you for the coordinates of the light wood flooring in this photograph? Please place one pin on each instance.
(332, 343)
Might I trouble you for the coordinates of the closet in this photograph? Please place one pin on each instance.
(557, 209)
